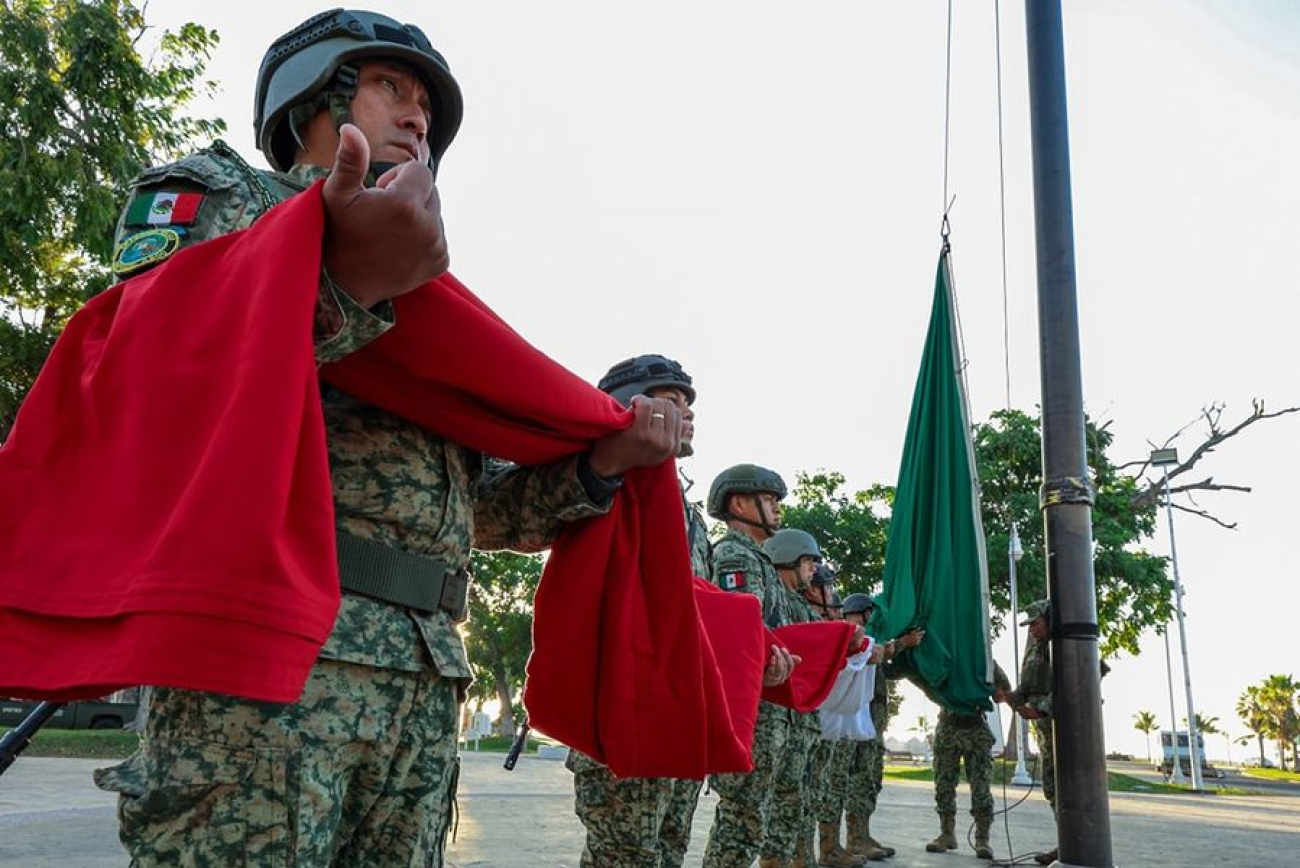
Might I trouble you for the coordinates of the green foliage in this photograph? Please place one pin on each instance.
(1133, 588)
(851, 532)
(1278, 696)
(82, 743)
(83, 112)
(1253, 712)
(499, 635)
(1145, 722)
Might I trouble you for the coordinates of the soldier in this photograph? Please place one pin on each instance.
(362, 769)
(643, 821)
(868, 763)
(748, 498)
(787, 835)
(961, 737)
(1032, 700)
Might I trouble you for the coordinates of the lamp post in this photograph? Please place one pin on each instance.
(1162, 458)
(1014, 554)
(1176, 766)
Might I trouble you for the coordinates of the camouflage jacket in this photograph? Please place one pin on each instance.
(697, 537)
(740, 565)
(393, 481)
(1035, 687)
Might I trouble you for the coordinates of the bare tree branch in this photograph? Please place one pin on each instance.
(1152, 491)
(1206, 515)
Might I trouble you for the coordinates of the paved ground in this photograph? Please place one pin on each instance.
(52, 815)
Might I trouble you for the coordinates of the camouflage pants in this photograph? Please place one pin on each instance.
(360, 771)
(675, 834)
(741, 814)
(789, 815)
(622, 816)
(953, 746)
(1046, 759)
(833, 794)
(866, 778)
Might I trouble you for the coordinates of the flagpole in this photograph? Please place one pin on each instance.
(1082, 802)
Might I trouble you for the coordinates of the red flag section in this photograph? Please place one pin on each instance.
(168, 514)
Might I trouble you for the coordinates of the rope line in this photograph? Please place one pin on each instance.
(947, 109)
(1002, 202)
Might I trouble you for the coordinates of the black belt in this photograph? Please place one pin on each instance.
(417, 582)
(966, 721)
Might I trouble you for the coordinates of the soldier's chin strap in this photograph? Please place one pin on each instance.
(761, 525)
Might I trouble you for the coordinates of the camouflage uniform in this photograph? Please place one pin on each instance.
(638, 821)
(362, 769)
(868, 768)
(788, 829)
(962, 738)
(1035, 690)
(740, 565)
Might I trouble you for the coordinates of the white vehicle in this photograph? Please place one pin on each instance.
(1184, 755)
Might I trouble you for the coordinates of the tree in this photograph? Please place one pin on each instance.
(499, 635)
(1278, 696)
(83, 112)
(1145, 722)
(1133, 588)
(1254, 714)
(847, 527)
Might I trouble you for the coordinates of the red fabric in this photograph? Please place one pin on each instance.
(171, 518)
(822, 648)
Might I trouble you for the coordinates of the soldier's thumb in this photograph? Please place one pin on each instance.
(351, 161)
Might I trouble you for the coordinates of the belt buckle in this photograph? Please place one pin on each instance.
(455, 595)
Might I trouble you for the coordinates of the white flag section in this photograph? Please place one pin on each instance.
(846, 712)
(994, 720)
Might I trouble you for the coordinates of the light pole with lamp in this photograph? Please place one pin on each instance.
(1162, 458)
(1015, 553)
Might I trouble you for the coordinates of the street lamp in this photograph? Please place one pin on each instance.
(1015, 553)
(1162, 458)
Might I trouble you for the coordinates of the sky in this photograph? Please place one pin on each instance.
(755, 189)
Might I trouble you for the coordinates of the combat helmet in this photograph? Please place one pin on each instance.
(857, 603)
(824, 577)
(310, 69)
(788, 545)
(743, 479)
(640, 374)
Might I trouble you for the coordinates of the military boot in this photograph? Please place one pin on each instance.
(831, 853)
(860, 843)
(1049, 857)
(772, 862)
(983, 822)
(947, 839)
(871, 841)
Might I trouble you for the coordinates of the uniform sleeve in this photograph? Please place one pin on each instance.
(737, 570)
(523, 508)
(203, 197)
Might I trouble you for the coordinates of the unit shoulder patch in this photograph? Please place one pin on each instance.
(142, 249)
(733, 580)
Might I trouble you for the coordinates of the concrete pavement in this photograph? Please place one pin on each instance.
(52, 815)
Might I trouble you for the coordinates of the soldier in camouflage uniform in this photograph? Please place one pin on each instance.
(868, 763)
(643, 821)
(965, 738)
(747, 497)
(1032, 700)
(787, 837)
(362, 769)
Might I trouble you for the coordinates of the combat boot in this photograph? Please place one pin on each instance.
(772, 862)
(831, 853)
(947, 839)
(871, 841)
(1049, 857)
(860, 843)
(983, 822)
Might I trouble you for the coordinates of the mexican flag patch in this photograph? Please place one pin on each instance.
(164, 209)
(733, 581)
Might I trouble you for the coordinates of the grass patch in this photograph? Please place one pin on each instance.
(1271, 774)
(83, 743)
(500, 744)
(1117, 783)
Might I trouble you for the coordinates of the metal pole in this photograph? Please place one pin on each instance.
(1021, 777)
(1082, 800)
(1176, 770)
(17, 740)
(1193, 735)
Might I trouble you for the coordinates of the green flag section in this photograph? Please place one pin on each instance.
(936, 572)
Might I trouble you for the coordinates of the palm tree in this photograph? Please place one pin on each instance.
(1253, 713)
(1210, 726)
(1278, 695)
(1145, 722)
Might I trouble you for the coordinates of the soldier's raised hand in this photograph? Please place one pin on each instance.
(384, 240)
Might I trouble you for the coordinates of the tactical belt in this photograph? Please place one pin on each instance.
(966, 721)
(376, 570)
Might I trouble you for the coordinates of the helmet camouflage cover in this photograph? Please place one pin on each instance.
(788, 545)
(640, 374)
(302, 68)
(742, 479)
